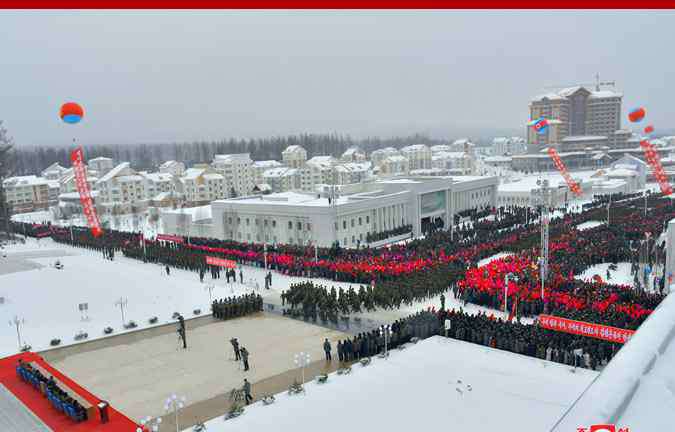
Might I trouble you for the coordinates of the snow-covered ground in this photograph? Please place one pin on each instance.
(438, 383)
(486, 261)
(589, 224)
(621, 276)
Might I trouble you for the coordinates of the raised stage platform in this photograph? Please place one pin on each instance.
(24, 408)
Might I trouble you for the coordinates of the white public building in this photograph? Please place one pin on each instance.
(358, 210)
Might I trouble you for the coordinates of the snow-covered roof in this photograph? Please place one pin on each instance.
(129, 178)
(197, 213)
(415, 148)
(158, 177)
(294, 149)
(385, 151)
(569, 91)
(395, 158)
(322, 161)
(353, 167)
(30, 180)
(462, 141)
(621, 172)
(168, 164)
(599, 156)
(114, 172)
(193, 173)
(230, 158)
(76, 195)
(440, 148)
(445, 155)
(267, 164)
(575, 138)
(280, 172)
(263, 187)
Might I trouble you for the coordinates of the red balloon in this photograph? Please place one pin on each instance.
(649, 129)
(637, 115)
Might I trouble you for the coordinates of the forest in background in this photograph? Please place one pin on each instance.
(32, 160)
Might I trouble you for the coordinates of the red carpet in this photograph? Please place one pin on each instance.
(43, 409)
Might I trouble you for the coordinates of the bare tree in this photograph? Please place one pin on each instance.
(6, 170)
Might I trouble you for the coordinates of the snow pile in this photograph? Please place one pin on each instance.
(438, 383)
(637, 388)
(589, 225)
(498, 255)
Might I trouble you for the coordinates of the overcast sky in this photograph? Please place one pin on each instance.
(177, 76)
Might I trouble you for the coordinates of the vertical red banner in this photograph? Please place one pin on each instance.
(77, 159)
(571, 184)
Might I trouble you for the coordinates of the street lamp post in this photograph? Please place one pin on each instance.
(385, 331)
(302, 360)
(122, 302)
(174, 403)
(149, 425)
(18, 322)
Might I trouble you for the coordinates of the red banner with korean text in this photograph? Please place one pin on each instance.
(598, 331)
(170, 238)
(221, 262)
(77, 159)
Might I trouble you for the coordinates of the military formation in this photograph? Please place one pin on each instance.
(235, 307)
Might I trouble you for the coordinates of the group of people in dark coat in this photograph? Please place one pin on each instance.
(235, 307)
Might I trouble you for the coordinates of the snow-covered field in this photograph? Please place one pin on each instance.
(428, 386)
(494, 257)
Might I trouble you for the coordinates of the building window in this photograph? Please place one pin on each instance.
(344, 225)
(309, 226)
(336, 226)
(360, 221)
(367, 220)
(265, 222)
(353, 240)
(352, 223)
(345, 242)
(274, 224)
(247, 222)
(299, 225)
(290, 225)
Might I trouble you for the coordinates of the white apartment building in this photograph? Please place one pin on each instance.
(67, 181)
(259, 167)
(321, 171)
(439, 148)
(172, 167)
(463, 145)
(157, 183)
(353, 154)
(378, 156)
(294, 156)
(449, 161)
(122, 187)
(101, 165)
(282, 179)
(394, 165)
(236, 169)
(418, 155)
(361, 209)
(26, 193)
(354, 172)
(202, 185)
(508, 146)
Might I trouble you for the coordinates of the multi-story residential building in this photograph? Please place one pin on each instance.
(352, 172)
(418, 155)
(157, 183)
(463, 145)
(236, 169)
(101, 165)
(282, 179)
(438, 148)
(67, 181)
(379, 155)
(451, 161)
(172, 167)
(353, 154)
(202, 185)
(294, 156)
(27, 193)
(259, 167)
(394, 165)
(574, 112)
(122, 188)
(321, 171)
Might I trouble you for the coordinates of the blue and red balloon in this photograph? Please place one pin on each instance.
(71, 112)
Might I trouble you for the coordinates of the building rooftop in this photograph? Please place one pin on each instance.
(415, 147)
(114, 172)
(267, 164)
(192, 173)
(29, 180)
(574, 138)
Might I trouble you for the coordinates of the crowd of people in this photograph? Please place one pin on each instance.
(51, 390)
(235, 307)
